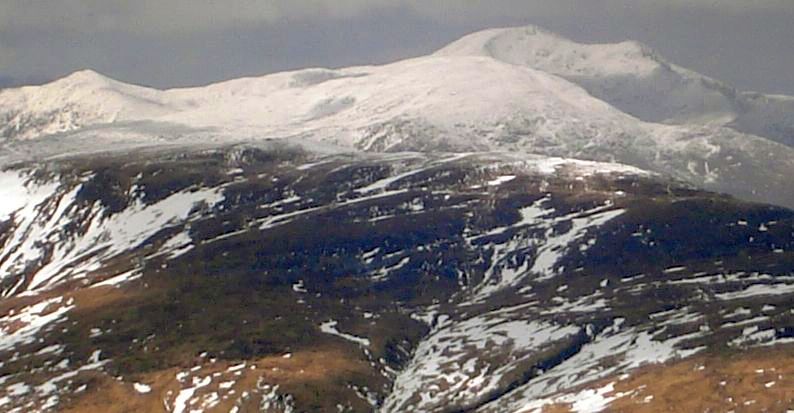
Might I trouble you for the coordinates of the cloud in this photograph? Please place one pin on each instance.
(185, 16)
(170, 16)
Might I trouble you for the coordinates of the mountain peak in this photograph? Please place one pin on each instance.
(83, 78)
(541, 49)
(80, 83)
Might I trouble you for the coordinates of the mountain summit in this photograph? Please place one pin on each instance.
(634, 78)
(535, 47)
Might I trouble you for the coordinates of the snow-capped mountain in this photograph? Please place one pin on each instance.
(515, 89)
(628, 76)
(637, 80)
(81, 99)
(447, 94)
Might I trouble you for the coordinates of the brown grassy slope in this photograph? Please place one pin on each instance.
(305, 376)
(759, 380)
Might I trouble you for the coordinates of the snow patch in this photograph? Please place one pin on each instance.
(329, 327)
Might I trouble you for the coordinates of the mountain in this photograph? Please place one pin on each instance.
(80, 99)
(347, 103)
(628, 76)
(274, 279)
(637, 80)
(495, 90)
(507, 225)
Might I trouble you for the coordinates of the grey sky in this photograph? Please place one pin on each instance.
(168, 43)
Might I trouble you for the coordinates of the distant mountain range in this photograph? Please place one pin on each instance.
(520, 89)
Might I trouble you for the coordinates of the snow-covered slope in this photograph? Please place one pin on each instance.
(637, 80)
(451, 95)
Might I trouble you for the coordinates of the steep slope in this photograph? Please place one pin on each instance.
(246, 279)
(636, 80)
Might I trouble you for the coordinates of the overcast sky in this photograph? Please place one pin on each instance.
(168, 43)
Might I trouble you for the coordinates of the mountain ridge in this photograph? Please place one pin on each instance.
(529, 46)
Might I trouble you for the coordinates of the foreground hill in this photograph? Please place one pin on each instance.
(273, 279)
